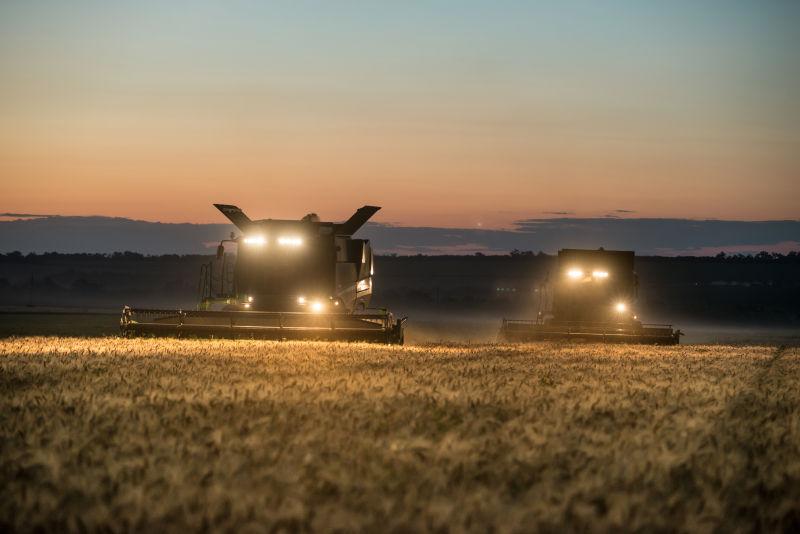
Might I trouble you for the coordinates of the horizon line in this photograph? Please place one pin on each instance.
(514, 225)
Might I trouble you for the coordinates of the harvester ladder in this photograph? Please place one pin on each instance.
(204, 284)
(227, 275)
(216, 278)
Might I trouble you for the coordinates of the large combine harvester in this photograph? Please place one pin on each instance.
(290, 279)
(592, 297)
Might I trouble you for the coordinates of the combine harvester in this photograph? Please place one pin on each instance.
(290, 279)
(591, 298)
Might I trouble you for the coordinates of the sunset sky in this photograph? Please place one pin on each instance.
(445, 113)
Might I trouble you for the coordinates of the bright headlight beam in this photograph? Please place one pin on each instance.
(575, 274)
(290, 241)
(317, 306)
(255, 240)
(599, 274)
(620, 307)
(301, 301)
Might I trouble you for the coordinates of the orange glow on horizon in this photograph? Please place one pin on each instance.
(449, 181)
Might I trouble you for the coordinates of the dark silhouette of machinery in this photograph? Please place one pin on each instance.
(290, 279)
(592, 296)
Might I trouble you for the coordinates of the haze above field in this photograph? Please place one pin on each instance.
(666, 237)
(475, 114)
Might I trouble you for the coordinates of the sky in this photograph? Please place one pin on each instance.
(449, 114)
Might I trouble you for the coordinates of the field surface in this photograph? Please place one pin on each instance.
(154, 435)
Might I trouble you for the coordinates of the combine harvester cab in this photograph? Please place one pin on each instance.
(591, 297)
(290, 279)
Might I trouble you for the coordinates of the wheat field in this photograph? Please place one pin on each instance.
(169, 435)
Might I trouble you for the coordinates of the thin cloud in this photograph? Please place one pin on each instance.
(25, 215)
(446, 250)
(783, 247)
(645, 236)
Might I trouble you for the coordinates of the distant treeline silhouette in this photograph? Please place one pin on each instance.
(762, 288)
(761, 257)
(722, 257)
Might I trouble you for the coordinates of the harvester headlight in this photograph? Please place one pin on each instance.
(620, 307)
(290, 241)
(256, 240)
(249, 298)
(575, 274)
(317, 306)
(301, 301)
(599, 274)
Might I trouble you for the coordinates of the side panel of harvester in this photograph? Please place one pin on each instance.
(354, 271)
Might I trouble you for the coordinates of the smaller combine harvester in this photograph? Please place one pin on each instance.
(289, 279)
(591, 297)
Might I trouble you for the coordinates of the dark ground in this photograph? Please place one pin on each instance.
(423, 327)
(745, 299)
